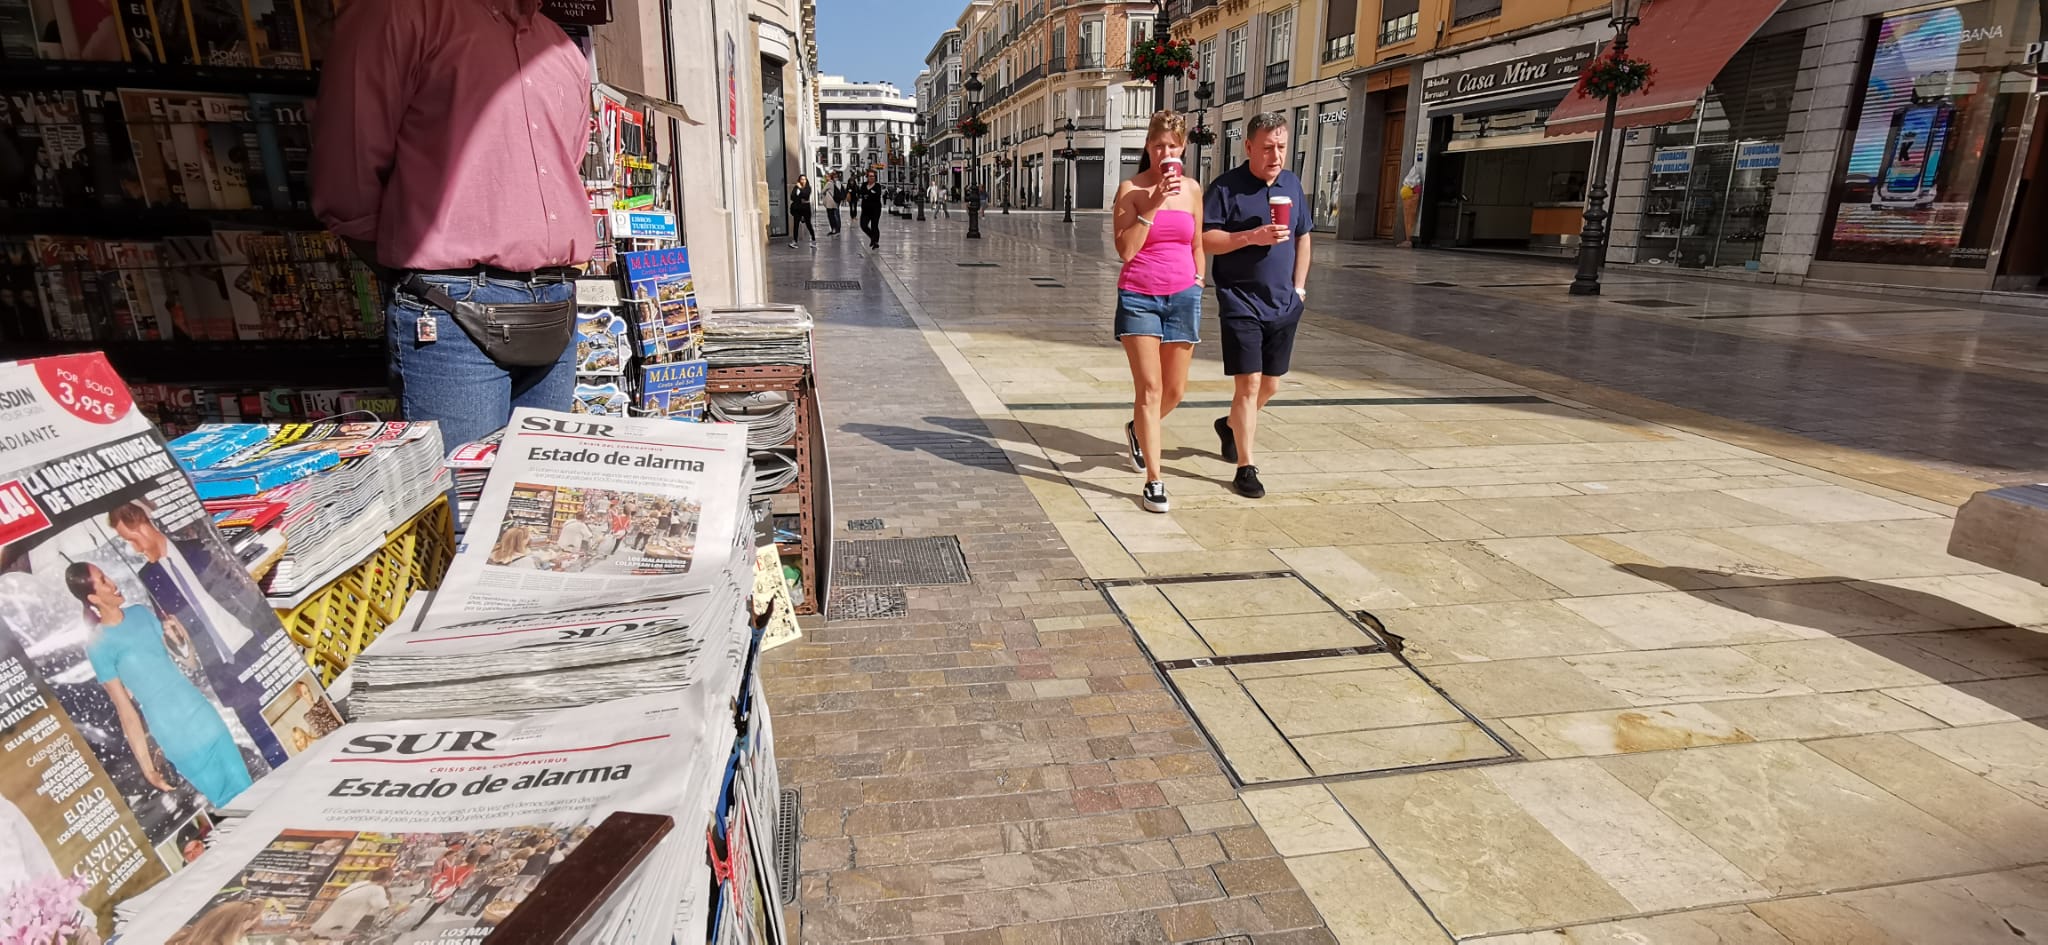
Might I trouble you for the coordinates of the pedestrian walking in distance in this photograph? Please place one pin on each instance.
(834, 194)
(1158, 225)
(800, 210)
(870, 198)
(1256, 224)
(936, 195)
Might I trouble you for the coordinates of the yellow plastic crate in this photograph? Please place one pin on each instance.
(339, 620)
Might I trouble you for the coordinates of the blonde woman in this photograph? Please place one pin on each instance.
(1159, 293)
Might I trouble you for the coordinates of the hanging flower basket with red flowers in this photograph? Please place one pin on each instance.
(972, 127)
(1163, 58)
(1615, 74)
(1201, 135)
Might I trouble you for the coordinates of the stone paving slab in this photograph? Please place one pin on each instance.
(1755, 697)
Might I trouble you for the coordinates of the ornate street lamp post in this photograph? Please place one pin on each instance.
(973, 87)
(1009, 159)
(1162, 30)
(1204, 91)
(1593, 238)
(1070, 154)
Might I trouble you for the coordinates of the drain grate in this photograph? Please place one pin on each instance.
(866, 525)
(832, 284)
(1360, 266)
(1048, 285)
(785, 843)
(867, 603)
(898, 562)
(976, 265)
(1654, 303)
(1439, 285)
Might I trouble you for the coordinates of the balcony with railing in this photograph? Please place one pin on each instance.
(1090, 60)
(1276, 76)
(1030, 75)
(1338, 48)
(1233, 88)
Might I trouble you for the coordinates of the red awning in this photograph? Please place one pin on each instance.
(1686, 42)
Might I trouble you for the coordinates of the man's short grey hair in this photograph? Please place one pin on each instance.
(1265, 121)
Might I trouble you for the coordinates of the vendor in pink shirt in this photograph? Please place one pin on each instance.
(447, 148)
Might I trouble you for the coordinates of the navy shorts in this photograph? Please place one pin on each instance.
(1169, 318)
(1254, 345)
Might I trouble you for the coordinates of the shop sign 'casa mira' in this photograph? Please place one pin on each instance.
(1558, 65)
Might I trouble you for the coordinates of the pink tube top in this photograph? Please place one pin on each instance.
(1166, 263)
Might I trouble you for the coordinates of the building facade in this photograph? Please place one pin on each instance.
(1041, 64)
(1295, 57)
(785, 55)
(869, 126)
(940, 107)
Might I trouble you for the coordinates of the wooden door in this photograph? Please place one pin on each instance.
(1393, 144)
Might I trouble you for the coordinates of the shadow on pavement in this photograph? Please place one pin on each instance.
(1981, 655)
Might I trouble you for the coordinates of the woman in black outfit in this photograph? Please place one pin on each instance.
(800, 210)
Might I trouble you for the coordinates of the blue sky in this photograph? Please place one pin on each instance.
(881, 40)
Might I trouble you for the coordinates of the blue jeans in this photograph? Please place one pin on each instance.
(451, 381)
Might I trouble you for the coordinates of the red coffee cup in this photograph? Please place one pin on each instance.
(1283, 210)
(1169, 171)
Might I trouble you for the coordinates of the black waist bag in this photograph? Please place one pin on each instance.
(513, 334)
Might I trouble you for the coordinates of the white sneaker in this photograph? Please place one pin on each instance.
(1154, 498)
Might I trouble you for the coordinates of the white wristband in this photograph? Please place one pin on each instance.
(1145, 221)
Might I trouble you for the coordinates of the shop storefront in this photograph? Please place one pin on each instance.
(1494, 178)
(1929, 180)
(1325, 179)
(1088, 182)
(1707, 197)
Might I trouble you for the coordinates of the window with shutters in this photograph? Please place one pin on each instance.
(1398, 21)
(1233, 52)
(1472, 11)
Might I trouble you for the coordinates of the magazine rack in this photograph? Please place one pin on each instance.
(577, 890)
(215, 365)
(796, 379)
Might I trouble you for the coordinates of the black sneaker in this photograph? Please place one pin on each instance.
(1247, 483)
(1155, 496)
(1223, 432)
(1137, 452)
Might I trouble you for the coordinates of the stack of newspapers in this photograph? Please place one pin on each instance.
(434, 831)
(607, 557)
(757, 335)
(470, 464)
(341, 486)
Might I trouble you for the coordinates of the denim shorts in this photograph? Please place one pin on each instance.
(1169, 318)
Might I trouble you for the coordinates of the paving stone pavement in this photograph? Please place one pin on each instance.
(1001, 766)
(1748, 697)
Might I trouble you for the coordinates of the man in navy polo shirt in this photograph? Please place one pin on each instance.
(1261, 275)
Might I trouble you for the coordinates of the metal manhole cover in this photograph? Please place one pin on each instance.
(785, 843)
(976, 265)
(866, 525)
(898, 562)
(1654, 303)
(867, 603)
(833, 284)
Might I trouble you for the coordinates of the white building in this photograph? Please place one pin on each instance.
(942, 106)
(868, 126)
